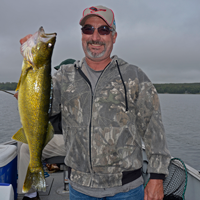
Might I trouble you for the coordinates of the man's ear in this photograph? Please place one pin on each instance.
(114, 37)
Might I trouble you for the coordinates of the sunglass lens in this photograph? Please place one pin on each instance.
(104, 30)
(88, 30)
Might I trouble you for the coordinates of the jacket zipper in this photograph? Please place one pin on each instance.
(90, 126)
(87, 80)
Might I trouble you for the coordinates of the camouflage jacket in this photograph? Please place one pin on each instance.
(103, 131)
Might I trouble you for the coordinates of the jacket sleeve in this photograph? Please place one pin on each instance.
(55, 114)
(56, 93)
(150, 126)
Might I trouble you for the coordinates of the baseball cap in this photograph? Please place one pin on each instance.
(105, 13)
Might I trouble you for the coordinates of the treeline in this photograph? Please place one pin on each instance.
(171, 88)
(178, 88)
(8, 86)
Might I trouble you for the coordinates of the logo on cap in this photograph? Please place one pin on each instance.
(114, 22)
(94, 9)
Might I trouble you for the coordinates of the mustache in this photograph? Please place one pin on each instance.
(95, 42)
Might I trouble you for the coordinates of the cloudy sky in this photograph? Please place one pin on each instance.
(160, 36)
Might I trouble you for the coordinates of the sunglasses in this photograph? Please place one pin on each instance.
(102, 30)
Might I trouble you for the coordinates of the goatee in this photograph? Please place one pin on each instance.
(92, 54)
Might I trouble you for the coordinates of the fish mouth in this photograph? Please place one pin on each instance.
(40, 35)
(45, 37)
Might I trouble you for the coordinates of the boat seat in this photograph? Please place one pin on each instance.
(59, 160)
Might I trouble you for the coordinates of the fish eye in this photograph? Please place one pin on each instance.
(49, 45)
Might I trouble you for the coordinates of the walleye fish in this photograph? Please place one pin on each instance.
(34, 88)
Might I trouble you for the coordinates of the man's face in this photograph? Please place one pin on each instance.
(97, 47)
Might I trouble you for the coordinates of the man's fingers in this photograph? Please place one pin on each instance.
(24, 39)
(145, 195)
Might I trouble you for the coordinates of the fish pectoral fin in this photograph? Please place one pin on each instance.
(20, 136)
(26, 66)
(22, 75)
(50, 133)
(18, 85)
(21, 79)
(34, 179)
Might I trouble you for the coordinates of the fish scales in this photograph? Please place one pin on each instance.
(38, 102)
(33, 101)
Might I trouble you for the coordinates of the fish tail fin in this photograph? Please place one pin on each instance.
(34, 179)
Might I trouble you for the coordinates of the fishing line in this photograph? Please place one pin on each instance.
(6, 92)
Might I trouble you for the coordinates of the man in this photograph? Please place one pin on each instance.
(108, 107)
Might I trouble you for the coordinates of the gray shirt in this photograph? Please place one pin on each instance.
(91, 74)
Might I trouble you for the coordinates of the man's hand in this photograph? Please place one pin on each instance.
(24, 39)
(16, 95)
(154, 190)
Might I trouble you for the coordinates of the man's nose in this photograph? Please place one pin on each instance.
(96, 35)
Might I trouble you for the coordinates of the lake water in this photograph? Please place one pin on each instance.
(180, 113)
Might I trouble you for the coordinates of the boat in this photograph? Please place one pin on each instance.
(57, 182)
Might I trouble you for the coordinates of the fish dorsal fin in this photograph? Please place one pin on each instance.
(20, 136)
(50, 133)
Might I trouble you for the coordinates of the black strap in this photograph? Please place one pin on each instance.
(56, 123)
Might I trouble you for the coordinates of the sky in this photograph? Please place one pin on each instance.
(162, 37)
